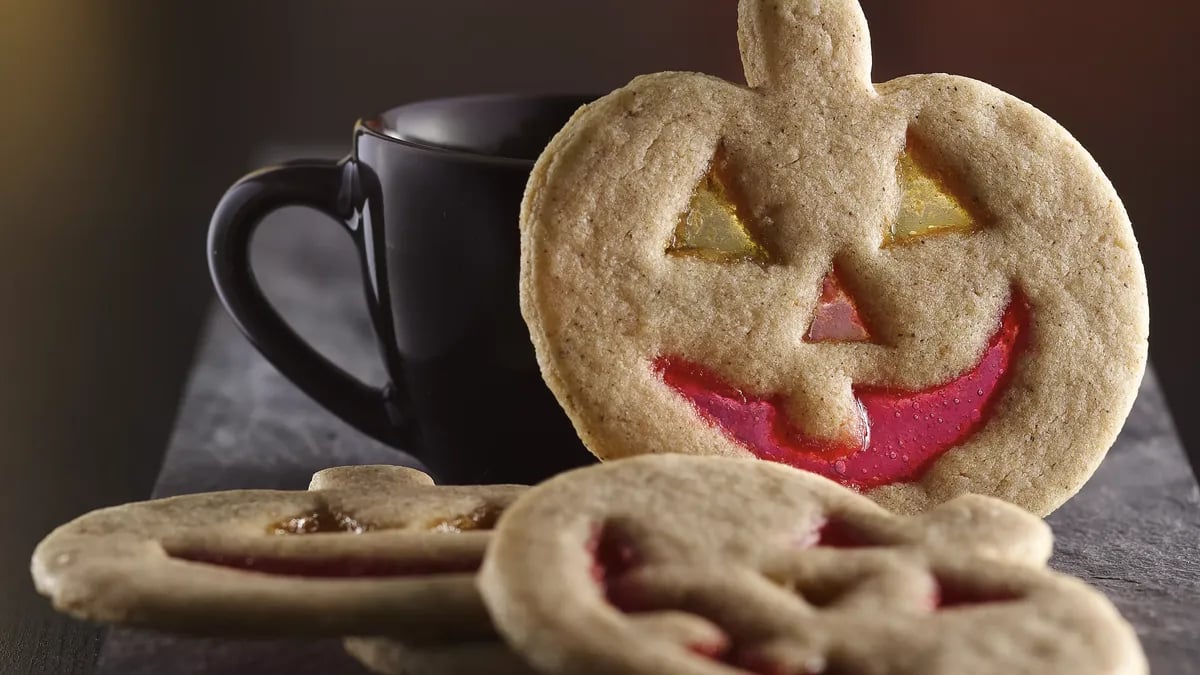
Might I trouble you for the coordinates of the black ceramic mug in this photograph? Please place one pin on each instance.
(431, 196)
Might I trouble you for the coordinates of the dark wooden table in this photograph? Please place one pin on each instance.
(1133, 531)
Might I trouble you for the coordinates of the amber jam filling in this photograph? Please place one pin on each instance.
(715, 227)
(931, 199)
(482, 518)
(903, 433)
(322, 520)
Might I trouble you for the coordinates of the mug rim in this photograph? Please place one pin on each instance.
(374, 126)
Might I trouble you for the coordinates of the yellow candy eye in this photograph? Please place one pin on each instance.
(929, 204)
(714, 226)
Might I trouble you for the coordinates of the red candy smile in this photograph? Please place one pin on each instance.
(904, 432)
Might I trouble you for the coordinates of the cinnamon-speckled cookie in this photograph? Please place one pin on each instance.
(368, 550)
(683, 565)
(917, 289)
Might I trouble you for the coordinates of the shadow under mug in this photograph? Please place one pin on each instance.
(431, 197)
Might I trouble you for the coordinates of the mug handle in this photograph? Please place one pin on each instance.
(321, 185)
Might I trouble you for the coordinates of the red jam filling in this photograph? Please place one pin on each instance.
(614, 556)
(327, 568)
(835, 533)
(716, 650)
(905, 432)
(836, 318)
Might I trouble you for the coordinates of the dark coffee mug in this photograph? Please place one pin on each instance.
(431, 196)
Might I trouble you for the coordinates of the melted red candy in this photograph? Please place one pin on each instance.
(333, 567)
(838, 534)
(716, 651)
(904, 431)
(836, 318)
(613, 556)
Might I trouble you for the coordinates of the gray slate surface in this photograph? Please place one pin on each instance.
(1133, 531)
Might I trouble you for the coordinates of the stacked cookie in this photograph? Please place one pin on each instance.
(656, 564)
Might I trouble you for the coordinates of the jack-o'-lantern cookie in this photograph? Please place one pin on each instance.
(367, 550)
(917, 289)
(683, 565)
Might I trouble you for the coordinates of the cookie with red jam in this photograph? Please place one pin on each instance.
(917, 289)
(682, 565)
(367, 550)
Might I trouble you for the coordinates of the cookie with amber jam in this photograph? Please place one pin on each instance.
(917, 289)
(367, 550)
(684, 565)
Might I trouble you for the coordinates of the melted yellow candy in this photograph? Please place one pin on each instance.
(713, 228)
(928, 205)
(482, 518)
(321, 521)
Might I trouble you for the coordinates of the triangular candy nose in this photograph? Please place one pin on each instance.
(836, 318)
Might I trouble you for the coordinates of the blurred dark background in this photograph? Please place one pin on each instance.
(122, 122)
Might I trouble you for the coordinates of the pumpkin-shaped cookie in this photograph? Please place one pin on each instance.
(917, 289)
(367, 550)
(677, 565)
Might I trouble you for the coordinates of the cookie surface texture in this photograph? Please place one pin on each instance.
(392, 657)
(367, 550)
(917, 289)
(674, 564)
